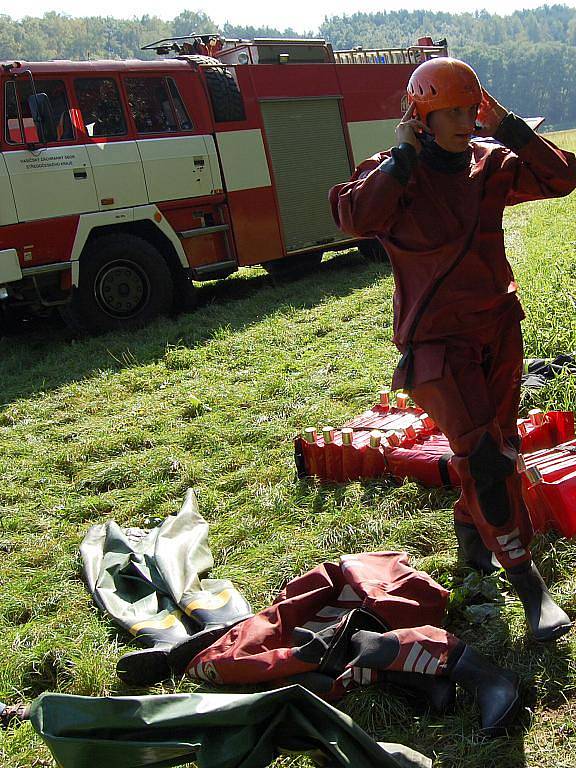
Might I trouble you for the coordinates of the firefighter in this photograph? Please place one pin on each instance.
(435, 201)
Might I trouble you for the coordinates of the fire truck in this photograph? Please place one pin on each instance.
(124, 182)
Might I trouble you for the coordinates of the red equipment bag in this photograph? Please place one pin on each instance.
(549, 488)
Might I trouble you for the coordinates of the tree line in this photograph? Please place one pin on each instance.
(526, 59)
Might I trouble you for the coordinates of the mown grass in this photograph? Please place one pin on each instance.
(119, 426)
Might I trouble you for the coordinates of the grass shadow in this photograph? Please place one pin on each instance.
(42, 355)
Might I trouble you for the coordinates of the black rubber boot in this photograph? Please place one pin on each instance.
(363, 640)
(472, 552)
(439, 692)
(183, 653)
(547, 621)
(496, 690)
(152, 665)
(145, 666)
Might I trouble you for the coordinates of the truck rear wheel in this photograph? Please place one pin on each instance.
(291, 267)
(373, 250)
(124, 282)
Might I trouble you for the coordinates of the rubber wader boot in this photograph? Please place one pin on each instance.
(439, 692)
(546, 620)
(147, 666)
(496, 690)
(472, 552)
(176, 639)
(165, 659)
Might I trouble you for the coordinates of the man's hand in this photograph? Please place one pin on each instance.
(409, 128)
(490, 115)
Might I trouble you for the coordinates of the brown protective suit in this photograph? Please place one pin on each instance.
(456, 312)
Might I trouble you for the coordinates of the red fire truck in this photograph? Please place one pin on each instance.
(121, 182)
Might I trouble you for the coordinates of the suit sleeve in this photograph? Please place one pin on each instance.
(539, 169)
(367, 205)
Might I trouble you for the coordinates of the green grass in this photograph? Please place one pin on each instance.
(110, 427)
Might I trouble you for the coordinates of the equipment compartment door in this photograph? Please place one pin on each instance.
(180, 167)
(308, 153)
(51, 181)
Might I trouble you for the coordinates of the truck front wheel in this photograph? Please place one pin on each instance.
(124, 282)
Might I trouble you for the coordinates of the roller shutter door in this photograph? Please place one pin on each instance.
(309, 156)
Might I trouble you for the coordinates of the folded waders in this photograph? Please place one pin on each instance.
(214, 730)
(150, 583)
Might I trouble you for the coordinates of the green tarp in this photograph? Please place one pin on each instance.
(214, 730)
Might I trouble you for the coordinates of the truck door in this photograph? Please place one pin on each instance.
(7, 207)
(177, 164)
(113, 153)
(52, 175)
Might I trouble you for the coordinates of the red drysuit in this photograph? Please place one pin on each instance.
(456, 313)
(337, 627)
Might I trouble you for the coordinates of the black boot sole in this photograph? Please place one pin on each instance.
(143, 668)
(554, 634)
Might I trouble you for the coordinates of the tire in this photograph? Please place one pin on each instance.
(374, 251)
(225, 96)
(292, 267)
(124, 283)
(185, 295)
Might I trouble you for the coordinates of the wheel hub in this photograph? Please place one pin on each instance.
(122, 289)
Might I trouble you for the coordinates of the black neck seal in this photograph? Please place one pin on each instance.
(441, 160)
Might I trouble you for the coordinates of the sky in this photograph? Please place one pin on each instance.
(301, 15)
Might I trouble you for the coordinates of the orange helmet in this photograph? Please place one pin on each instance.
(441, 83)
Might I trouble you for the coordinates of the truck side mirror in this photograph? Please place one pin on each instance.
(41, 111)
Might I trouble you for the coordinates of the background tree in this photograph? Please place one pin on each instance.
(526, 59)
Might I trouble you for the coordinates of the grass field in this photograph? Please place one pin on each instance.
(109, 428)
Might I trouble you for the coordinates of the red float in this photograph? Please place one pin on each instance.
(411, 446)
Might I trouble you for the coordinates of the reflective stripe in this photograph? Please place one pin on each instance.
(10, 266)
(346, 677)
(515, 553)
(432, 666)
(412, 656)
(422, 662)
(369, 136)
(165, 623)
(209, 602)
(511, 544)
(507, 537)
(366, 676)
(243, 159)
(348, 595)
